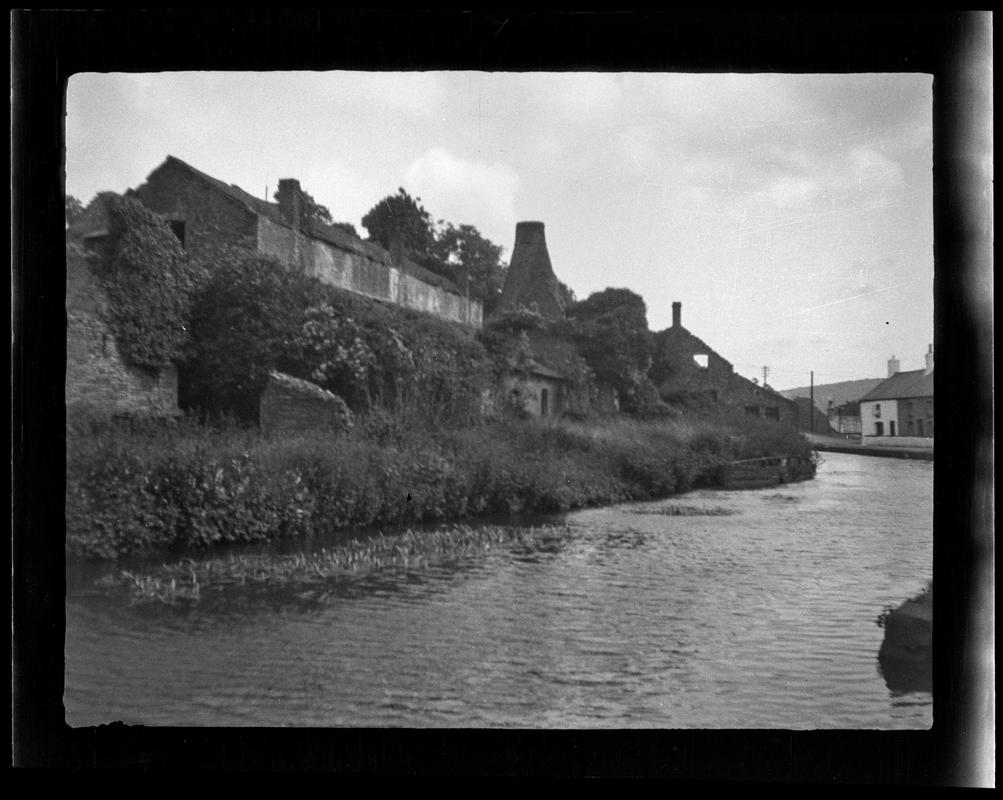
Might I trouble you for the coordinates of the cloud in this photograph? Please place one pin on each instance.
(466, 192)
(791, 192)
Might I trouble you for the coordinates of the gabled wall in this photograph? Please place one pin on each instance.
(679, 375)
(211, 219)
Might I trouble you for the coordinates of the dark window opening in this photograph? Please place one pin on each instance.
(544, 402)
(772, 413)
(752, 411)
(891, 428)
(879, 429)
(178, 226)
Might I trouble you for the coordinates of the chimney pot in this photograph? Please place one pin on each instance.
(677, 315)
(290, 201)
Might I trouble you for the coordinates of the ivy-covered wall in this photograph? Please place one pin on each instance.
(97, 375)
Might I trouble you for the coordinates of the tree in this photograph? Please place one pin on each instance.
(611, 330)
(472, 257)
(245, 322)
(403, 216)
(74, 208)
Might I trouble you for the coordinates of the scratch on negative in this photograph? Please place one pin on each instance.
(836, 302)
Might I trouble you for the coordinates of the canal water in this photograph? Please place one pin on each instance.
(752, 609)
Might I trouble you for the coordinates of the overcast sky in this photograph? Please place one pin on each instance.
(790, 214)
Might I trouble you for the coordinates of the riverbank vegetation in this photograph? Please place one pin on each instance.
(189, 486)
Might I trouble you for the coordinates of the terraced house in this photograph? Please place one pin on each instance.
(899, 410)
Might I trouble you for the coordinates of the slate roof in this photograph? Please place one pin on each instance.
(902, 385)
(840, 392)
(327, 233)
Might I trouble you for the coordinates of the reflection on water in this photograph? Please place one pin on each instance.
(759, 613)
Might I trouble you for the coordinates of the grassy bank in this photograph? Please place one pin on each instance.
(189, 486)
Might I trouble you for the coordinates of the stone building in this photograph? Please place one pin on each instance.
(97, 377)
(688, 370)
(899, 410)
(207, 214)
(542, 387)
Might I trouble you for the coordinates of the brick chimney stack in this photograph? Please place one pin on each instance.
(677, 315)
(893, 366)
(291, 201)
(929, 360)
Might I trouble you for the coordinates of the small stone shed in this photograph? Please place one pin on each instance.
(291, 404)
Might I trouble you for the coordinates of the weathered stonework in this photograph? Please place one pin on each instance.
(688, 369)
(209, 214)
(530, 281)
(97, 377)
(290, 404)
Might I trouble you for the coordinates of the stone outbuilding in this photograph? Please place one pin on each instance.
(291, 404)
(688, 370)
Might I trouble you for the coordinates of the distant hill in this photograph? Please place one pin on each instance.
(839, 393)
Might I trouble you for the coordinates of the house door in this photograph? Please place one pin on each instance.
(879, 429)
(891, 428)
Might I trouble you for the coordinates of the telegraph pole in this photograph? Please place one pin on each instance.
(811, 410)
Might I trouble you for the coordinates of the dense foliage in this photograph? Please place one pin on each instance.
(611, 330)
(149, 283)
(404, 217)
(192, 487)
(456, 252)
(74, 208)
(377, 356)
(472, 258)
(244, 322)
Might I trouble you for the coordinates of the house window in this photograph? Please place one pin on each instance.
(891, 428)
(178, 226)
(544, 402)
(877, 411)
(752, 411)
(701, 359)
(772, 412)
(919, 428)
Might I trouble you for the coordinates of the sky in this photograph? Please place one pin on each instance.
(790, 214)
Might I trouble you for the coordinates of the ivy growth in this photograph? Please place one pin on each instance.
(149, 283)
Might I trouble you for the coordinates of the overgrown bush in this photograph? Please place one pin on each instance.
(149, 282)
(193, 487)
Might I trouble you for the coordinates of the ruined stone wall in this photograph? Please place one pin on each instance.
(211, 219)
(97, 377)
(678, 374)
(359, 272)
